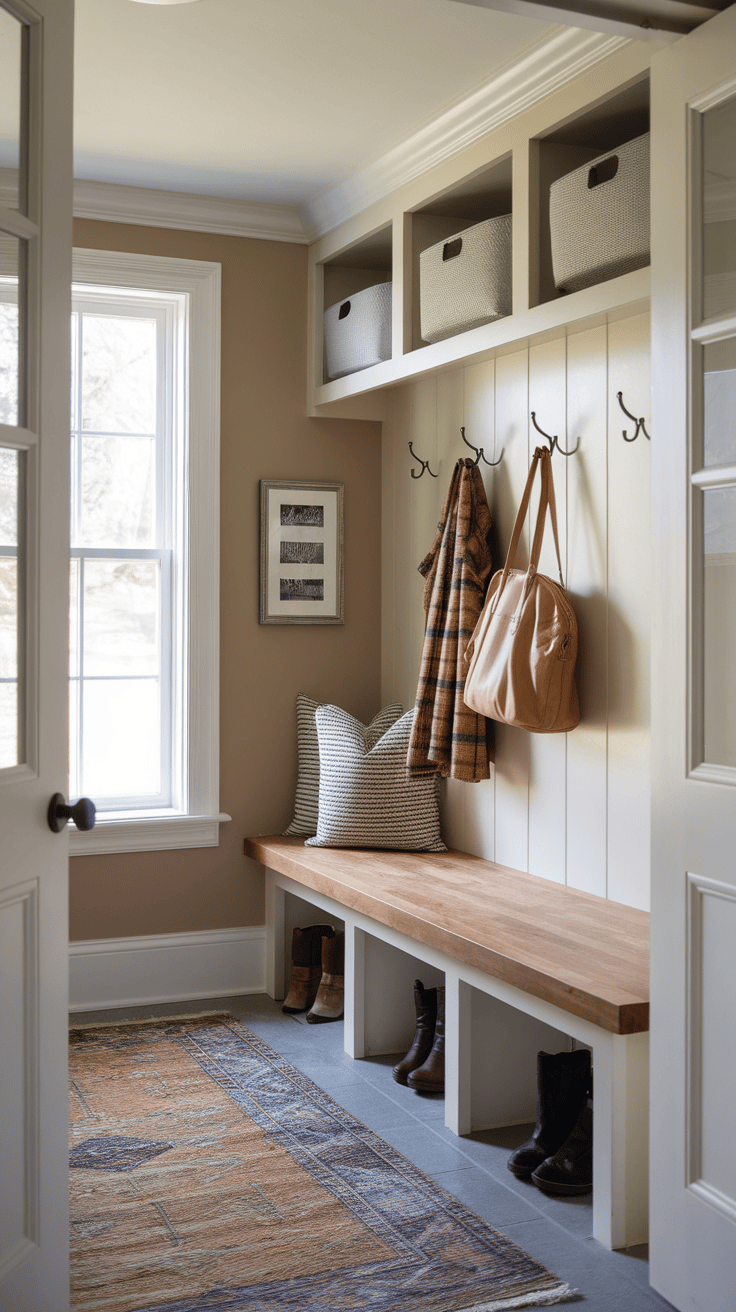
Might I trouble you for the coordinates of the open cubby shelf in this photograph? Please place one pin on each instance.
(510, 171)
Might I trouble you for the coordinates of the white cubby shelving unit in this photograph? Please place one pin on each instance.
(508, 170)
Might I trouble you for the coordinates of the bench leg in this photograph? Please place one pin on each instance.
(620, 1140)
(275, 911)
(354, 1028)
(457, 1055)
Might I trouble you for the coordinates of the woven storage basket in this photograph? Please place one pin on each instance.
(465, 281)
(599, 218)
(358, 331)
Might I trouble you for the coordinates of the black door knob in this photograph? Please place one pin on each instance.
(82, 813)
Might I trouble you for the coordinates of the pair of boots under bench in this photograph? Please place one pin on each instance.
(559, 1155)
(317, 974)
(423, 1067)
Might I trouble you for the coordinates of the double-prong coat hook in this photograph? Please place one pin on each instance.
(640, 425)
(479, 452)
(554, 442)
(423, 463)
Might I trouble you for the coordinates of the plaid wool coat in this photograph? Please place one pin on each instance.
(448, 738)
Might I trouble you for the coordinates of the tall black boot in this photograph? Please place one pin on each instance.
(563, 1084)
(425, 1002)
(570, 1171)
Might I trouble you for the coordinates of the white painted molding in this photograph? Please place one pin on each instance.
(553, 61)
(130, 972)
(143, 834)
(200, 282)
(151, 208)
(558, 58)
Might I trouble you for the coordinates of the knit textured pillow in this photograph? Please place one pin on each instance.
(306, 801)
(366, 798)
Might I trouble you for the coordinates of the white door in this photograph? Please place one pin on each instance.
(693, 1022)
(35, 285)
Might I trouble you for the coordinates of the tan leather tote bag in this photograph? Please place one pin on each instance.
(522, 653)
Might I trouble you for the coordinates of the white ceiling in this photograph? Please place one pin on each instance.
(273, 101)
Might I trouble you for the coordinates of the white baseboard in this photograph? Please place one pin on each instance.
(124, 972)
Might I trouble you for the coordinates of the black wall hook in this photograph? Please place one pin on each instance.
(479, 452)
(554, 442)
(423, 463)
(640, 425)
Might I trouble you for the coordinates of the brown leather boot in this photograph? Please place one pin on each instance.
(430, 1077)
(330, 1001)
(425, 1003)
(306, 966)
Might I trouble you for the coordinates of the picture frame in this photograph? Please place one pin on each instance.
(301, 552)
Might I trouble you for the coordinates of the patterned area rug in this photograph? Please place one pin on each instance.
(209, 1175)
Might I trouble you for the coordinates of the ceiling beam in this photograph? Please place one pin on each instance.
(661, 21)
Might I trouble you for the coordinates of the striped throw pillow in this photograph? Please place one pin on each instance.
(366, 798)
(306, 801)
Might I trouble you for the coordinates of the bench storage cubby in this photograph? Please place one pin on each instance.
(526, 963)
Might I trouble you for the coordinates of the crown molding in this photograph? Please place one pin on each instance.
(114, 203)
(556, 59)
(564, 54)
(150, 208)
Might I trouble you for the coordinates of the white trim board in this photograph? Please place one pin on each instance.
(565, 53)
(130, 972)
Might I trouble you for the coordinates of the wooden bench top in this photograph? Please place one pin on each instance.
(583, 953)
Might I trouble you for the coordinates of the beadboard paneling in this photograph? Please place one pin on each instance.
(574, 807)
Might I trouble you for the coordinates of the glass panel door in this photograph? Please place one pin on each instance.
(714, 452)
(12, 589)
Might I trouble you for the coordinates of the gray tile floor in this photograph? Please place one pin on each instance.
(555, 1231)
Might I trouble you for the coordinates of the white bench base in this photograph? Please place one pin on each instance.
(493, 1032)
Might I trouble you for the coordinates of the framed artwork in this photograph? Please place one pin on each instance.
(301, 553)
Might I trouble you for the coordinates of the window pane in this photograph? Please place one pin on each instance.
(719, 403)
(11, 609)
(121, 617)
(719, 606)
(122, 715)
(118, 492)
(719, 217)
(74, 567)
(118, 374)
(10, 255)
(75, 784)
(10, 116)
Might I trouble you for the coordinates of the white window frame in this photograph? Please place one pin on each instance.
(195, 821)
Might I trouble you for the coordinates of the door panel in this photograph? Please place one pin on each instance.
(36, 48)
(693, 1031)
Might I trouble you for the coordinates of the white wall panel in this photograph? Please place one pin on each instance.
(628, 616)
(512, 745)
(479, 800)
(572, 807)
(587, 549)
(548, 752)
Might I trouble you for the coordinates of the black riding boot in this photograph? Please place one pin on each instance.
(563, 1084)
(570, 1171)
(425, 1002)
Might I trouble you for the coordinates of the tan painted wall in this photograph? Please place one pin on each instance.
(265, 434)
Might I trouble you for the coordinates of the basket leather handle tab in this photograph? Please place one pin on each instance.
(344, 310)
(452, 248)
(603, 172)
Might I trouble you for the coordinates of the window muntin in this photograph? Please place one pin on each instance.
(127, 642)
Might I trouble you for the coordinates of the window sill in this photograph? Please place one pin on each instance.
(146, 834)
